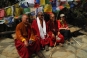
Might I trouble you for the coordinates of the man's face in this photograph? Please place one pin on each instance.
(25, 19)
(40, 15)
(52, 17)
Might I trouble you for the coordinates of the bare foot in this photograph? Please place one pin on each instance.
(60, 44)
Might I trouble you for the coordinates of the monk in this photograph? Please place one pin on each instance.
(39, 25)
(25, 41)
(53, 32)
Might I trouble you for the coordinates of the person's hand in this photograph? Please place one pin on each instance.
(47, 35)
(58, 32)
(36, 36)
(53, 35)
(26, 43)
(31, 42)
(67, 28)
(53, 29)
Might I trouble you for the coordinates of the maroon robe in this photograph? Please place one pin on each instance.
(23, 32)
(43, 42)
(52, 28)
(61, 39)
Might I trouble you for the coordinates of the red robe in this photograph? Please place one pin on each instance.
(52, 28)
(43, 42)
(23, 32)
(60, 25)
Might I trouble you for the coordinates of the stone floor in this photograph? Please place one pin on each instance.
(76, 50)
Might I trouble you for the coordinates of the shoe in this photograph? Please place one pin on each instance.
(42, 48)
(46, 48)
(40, 54)
(67, 42)
(71, 41)
(60, 44)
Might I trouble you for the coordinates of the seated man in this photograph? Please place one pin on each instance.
(39, 25)
(52, 30)
(23, 45)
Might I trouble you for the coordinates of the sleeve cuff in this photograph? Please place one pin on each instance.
(23, 40)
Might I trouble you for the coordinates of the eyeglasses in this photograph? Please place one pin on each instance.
(52, 17)
(63, 17)
(41, 15)
(27, 18)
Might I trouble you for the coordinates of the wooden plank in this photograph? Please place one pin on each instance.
(6, 32)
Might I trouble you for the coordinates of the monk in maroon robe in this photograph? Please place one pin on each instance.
(39, 25)
(25, 41)
(53, 32)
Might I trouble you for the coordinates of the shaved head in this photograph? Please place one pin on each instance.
(52, 17)
(25, 18)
